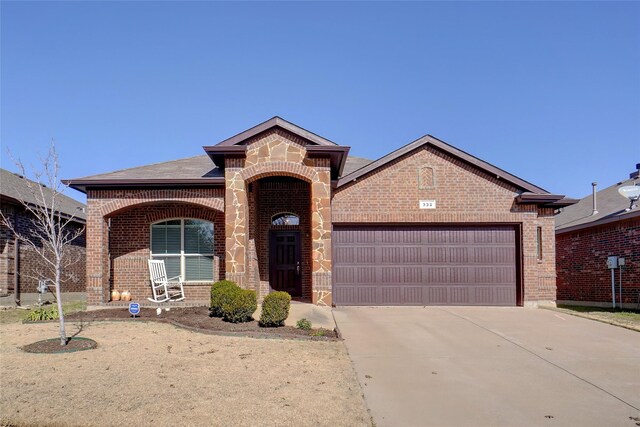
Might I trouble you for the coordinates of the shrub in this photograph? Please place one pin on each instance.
(319, 333)
(240, 306)
(43, 314)
(275, 309)
(303, 324)
(221, 293)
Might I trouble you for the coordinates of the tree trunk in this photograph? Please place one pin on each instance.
(63, 333)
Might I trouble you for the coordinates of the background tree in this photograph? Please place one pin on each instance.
(52, 234)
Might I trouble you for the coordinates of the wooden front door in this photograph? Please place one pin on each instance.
(284, 262)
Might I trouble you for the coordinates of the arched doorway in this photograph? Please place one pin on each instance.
(280, 226)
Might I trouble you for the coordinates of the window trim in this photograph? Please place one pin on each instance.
(182, 254)
(539, 252)
(282, 214)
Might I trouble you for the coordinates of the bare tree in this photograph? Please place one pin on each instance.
(51, 234)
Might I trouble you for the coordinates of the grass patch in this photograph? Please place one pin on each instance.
(626, 317)
(16, 315)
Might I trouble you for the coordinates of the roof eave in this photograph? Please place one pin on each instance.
(449, 149)
(546, 200)
(272, 123)
(337, 156)
(83, 185)
(602, 221)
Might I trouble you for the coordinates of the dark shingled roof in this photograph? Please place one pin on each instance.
(610, 205)
(14, 186)
(189, 168)
(353, 164)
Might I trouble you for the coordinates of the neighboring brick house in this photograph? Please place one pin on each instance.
(586, 235)
(277, 207)
(21, 258)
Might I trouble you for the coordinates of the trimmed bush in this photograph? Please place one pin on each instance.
(275, 309)
(240, 306)
(303, 324)
(221, 293)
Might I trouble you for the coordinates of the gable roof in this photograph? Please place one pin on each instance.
(451, 150)
(15, 187)
(271, 123)
(197, 170)
(609, 204)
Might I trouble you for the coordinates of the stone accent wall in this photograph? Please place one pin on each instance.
(582, 254)
(276, 146)
(321, 233)
(235, 222)
(31, 266)
(103, 205)
(463, 194)
(277, 153)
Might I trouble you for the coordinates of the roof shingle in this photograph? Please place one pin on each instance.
(610, 206)
(15, 186)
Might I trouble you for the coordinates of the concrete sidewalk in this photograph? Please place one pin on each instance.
(320, 317)
(453, 366)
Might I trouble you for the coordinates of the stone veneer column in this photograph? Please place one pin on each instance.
(235, 222)
(97, 252)
(321, 234)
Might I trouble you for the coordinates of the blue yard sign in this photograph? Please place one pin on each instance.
(134, 308)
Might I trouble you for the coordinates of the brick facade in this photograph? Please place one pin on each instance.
(118, 230)
(275, 171)
(581, 257)
(31, 266)
(463, 194)
(129, 242)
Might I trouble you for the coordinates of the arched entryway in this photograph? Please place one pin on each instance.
(280, 228)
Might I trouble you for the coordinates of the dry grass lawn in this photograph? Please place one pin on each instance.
(159, 375)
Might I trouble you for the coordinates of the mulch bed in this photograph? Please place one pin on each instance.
(198, 319)
(52, 345)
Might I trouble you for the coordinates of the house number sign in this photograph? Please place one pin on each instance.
(427, 204)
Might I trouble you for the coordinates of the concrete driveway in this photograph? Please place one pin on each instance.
(455, 366)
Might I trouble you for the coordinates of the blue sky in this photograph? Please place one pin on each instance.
(549, 91)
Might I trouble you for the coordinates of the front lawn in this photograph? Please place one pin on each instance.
(13, 315)
(627, 318)
(154, 374)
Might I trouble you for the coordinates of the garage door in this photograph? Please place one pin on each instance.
(445, 265)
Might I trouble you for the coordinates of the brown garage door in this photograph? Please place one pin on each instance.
(444, 265)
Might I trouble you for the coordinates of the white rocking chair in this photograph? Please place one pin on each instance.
(163, 288)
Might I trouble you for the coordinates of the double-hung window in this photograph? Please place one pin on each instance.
(186, 246)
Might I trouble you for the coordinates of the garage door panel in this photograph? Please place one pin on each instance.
(437, 295)
(428, 265)
(433, 255)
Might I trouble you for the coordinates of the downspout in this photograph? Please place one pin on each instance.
(595, 205)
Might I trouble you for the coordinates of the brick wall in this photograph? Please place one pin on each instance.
(105, 204)
(581, 257)
(463, 194)
(31, 266)
(129, 240)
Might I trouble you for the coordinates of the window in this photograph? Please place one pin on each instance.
(285, 219)
(185, 246)
(539, 243)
